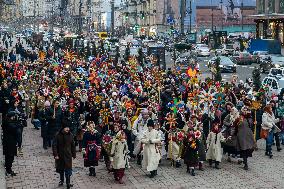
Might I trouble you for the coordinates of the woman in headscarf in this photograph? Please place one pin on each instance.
(91, 148)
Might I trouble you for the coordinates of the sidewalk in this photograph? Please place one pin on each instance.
(36, 170)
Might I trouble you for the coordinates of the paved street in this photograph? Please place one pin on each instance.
(36, 170)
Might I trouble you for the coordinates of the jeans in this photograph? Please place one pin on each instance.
(36, 123)
(269, 141)
(282, 137)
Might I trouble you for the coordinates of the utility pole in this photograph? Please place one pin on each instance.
(112, 17)
(212, 17)
(190, 15)
(182, 15)
(242, 7)
(222, 24)
(80, 18)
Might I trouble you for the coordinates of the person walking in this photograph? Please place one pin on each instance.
(118, 155)
(214, 139)
(45, 116)
(10, 127)
(151, 153)
(63, 151)
(91, 148)
(269, 124)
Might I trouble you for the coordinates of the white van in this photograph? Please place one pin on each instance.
(274, 84)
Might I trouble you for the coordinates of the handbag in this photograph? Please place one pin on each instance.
(264, 133)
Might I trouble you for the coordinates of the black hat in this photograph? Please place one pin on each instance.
(150, 123)
(11, 114)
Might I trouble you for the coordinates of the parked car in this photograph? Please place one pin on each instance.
(276, 72)
(228, 49)
(19, 35)
(202, 50)
(274, 85)
(258, 55)
(243, 58)
(265, 64)
(226, 64)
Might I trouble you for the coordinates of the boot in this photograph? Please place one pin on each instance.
(94, 172)
(187, 169)
(270, 154)
(68, 182)
(192, 172)
(156, 172)
(90, 171)
(200, 166)
(210, 162)
(152, 174)
(245, 160)
(139, 159)
(266, 153)
(178, 164)
(217, 165)
(61, 179)
(279, 148)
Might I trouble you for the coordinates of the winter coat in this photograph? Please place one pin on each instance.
(118, 153)
(269, 122)
(10, 139)
(245, 138)
(73, 120)
(151, 153)
(190, 155)
(201, 149)
(64, 147)
(214, 151)
(45, 116)
(92, 146)
(55, 124)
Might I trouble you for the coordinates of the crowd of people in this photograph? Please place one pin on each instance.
(121, 111)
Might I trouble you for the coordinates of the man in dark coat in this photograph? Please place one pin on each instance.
(10, 135)
(63, 150)
(45, 116)
(56, 120)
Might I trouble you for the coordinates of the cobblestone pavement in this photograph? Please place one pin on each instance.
(36, 170)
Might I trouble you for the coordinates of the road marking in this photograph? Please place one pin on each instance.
(252, 67)
(244, 66)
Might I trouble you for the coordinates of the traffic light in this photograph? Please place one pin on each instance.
(142, 15)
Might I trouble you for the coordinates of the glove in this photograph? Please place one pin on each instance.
(83, 151)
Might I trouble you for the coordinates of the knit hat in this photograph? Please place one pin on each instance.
(47, 103)
(150, 123)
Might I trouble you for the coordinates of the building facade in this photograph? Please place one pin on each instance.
(220, 17)
(270, 20)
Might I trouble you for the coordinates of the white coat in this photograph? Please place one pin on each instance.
(119, 152)
(215, 150)
(151, 153)
(269, 121)
(138, 130)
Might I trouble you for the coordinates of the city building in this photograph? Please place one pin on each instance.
(270, 20)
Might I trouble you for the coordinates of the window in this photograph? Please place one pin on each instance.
(274, 84)
(281, 6)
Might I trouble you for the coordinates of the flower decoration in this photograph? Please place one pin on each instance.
(105, 114)
(180, 137)
(171, 120)
(191, 72)
(193, 145)
(220, 98)
(197, 134)
(207, 96)
(69, 55)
